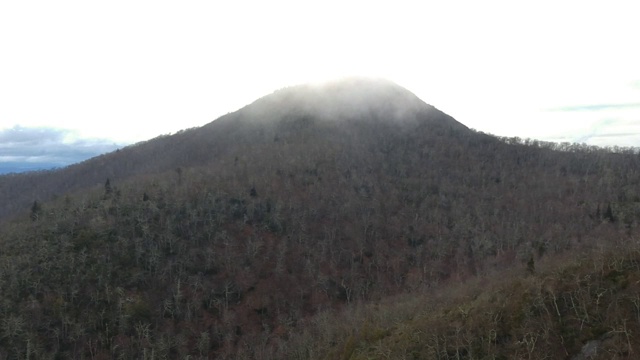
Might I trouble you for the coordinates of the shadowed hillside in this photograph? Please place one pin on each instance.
(225, 240)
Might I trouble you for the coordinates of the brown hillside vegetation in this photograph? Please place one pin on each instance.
(587, 307)
(232, 240)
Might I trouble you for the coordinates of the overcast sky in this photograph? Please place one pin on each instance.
(126, 71)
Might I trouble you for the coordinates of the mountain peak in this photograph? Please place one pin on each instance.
(361, 111)
(347, 98)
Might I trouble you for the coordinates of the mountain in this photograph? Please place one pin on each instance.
(332, 105)
(244, 237)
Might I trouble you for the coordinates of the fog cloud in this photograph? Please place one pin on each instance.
(25, 148)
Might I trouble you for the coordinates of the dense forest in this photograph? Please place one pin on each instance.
(343, 221)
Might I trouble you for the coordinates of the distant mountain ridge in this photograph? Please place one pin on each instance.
(24, 167)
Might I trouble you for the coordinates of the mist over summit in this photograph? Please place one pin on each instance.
(343, 99)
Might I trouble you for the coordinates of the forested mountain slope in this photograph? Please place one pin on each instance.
(225, 240)
(262, 122)
(580, 306)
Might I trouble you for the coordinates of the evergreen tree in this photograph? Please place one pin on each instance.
(608, 214)
(179, 172)
(531, 266)
(35, 210)
(107, 187)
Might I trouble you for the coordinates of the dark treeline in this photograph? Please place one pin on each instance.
(570, 147)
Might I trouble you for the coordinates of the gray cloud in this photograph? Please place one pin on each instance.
(604, 124)
(598, 107)
(19, 134)
(605, 140)
(622, 132)
(23, 148)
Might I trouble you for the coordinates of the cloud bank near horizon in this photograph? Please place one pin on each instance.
(38, 148)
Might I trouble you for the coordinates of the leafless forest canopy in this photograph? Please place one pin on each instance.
(345, 221)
